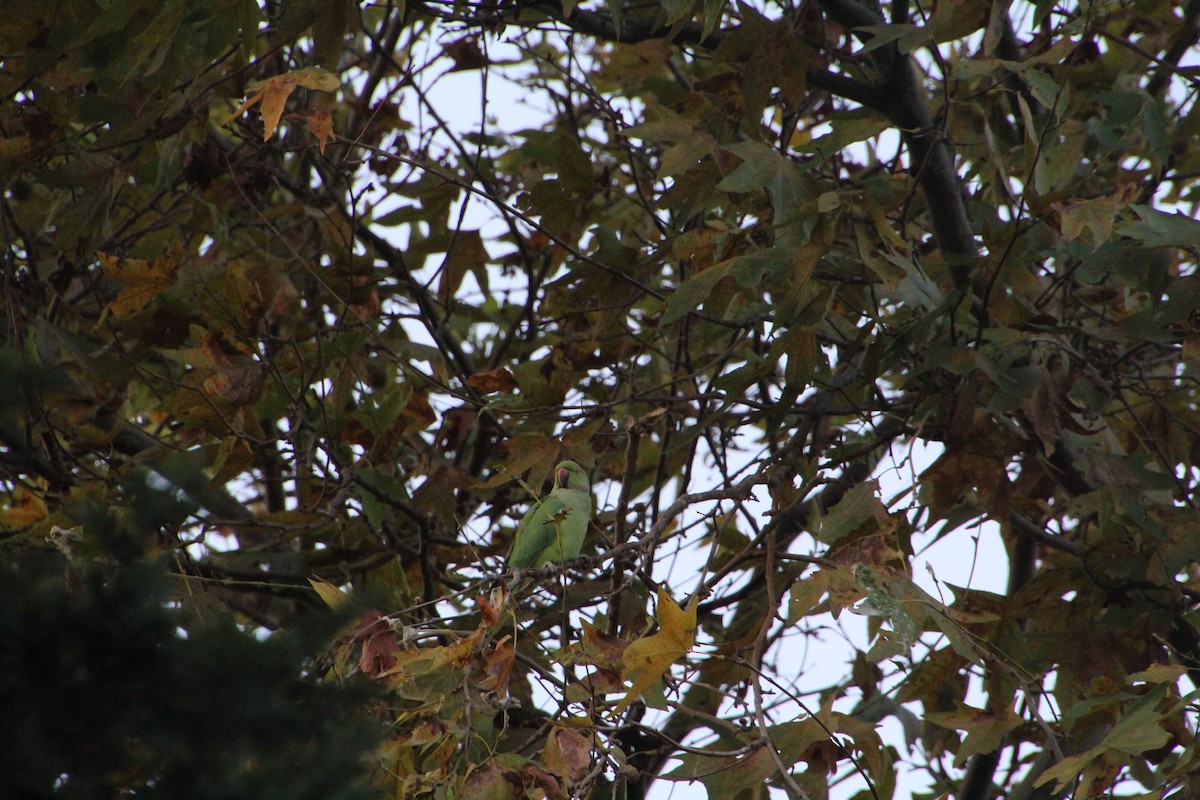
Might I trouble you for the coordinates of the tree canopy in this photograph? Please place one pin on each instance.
(304, 300)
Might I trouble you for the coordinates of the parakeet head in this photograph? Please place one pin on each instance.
(569, 475)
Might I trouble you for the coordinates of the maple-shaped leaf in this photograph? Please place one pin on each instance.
(601, 649)
(985, 729)
(1091, 220)
(319, 122)
(144, 279)
(649, 658)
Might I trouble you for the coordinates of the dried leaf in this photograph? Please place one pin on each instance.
(274, 97)
(492, 782)
(494, 380)
(274, 92)
(380, 649)
(602, 650)
(568, 754)
(498, 666)
(319, 122)
(466, 54)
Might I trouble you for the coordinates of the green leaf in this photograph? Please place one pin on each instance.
(860, 505)
(985, 730)
(677, 9)
(713, 9)
(691, 294)
(1159, 229)
(1138, 729)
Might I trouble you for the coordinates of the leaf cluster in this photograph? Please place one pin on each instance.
(280, 321)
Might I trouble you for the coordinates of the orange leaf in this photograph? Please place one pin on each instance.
(498, 667)
(26, 509)
(494, 380)
(319, 122)
(274, 92)
(275, 95)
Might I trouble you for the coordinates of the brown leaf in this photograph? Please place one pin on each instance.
(466, 54)
(467, 254)
(822, 756)
(489, 607)
(568, 754)
(596, 683)
(236, 378)
(601, 649)
(492, 782)
(494, 380)
(499, 664)
(418, 414)
(550, 785)
(456, 424)
(379, 645)
(978, 459)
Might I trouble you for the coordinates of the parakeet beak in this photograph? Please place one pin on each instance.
(562, 477)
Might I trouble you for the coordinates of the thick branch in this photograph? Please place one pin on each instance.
(901, 98)
(1187, 35)
(632, 29)
(850, 14)
(844, 86)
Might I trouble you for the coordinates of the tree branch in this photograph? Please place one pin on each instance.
(1186, 36)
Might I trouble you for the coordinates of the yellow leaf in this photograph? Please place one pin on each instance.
(334, 597)
(144, 280)
(250, 101)
(26, 509)
(649, 658)
(316, 78)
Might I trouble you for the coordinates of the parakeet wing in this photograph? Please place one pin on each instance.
(536, 533)
(553, 530)
(572, 524)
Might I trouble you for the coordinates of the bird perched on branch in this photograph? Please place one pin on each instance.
(552, 531)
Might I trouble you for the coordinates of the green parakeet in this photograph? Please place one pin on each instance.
(552, 531)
